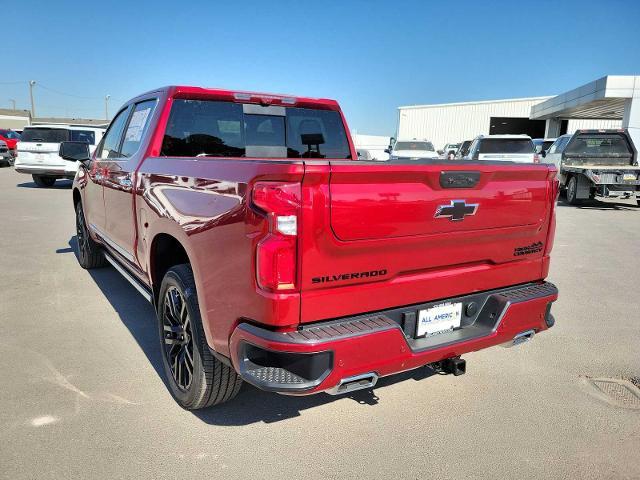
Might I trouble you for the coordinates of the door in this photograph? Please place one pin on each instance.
(554, 154)
(94, 190)
(118, 182)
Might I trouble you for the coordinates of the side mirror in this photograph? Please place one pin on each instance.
(543, 153)
(387, 150)
(74, 151)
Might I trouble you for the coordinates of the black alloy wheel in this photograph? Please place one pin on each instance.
(178, 338)
(89, 253)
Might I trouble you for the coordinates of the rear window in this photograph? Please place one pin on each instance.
(506, 145)
(223, 129)
(45, 135)
(599, 145)
(423, 146)
(87, 136)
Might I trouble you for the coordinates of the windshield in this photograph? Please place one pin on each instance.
(227, 129)
(614, 144)
(506, 145)
(10, 134)
(45, 135)
(421, 146)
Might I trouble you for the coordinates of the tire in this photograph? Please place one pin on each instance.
(572, 191)
(43, 181)
(90, 254)
(183, 345)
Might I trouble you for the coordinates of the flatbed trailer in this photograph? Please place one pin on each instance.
(598, 164)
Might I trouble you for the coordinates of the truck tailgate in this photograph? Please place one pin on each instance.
(381, 236)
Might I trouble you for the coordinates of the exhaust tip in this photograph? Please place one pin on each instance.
(520, 338)
(354, 383)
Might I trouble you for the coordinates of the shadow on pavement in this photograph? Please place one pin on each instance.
(251, 405)
(59, 185)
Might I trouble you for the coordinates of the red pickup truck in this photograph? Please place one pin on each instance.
(274, 256)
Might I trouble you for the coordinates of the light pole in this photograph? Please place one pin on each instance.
(33, 107)
(13, 102)
(106, 106)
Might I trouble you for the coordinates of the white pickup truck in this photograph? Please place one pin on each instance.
(596, 163)
(37, 151)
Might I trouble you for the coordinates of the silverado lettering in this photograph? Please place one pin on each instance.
(349, 276)
(221, 248)
(533, 248)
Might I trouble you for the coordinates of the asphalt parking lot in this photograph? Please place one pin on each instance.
(82, 395)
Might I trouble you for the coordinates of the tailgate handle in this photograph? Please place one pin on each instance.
(458, 179)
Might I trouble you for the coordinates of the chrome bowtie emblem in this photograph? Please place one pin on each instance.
(456, 210)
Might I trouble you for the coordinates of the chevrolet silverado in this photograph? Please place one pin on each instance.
(274, 256)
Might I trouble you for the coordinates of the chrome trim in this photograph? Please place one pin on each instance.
(130, 278)
(520, 338)
(354, 383)
(111, 243)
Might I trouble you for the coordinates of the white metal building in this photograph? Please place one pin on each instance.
(374, 144)
(456, 122)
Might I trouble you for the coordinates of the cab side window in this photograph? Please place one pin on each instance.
(137, 127)
(111, 142)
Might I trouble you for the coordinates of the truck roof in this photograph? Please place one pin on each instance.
(506, 136)
(242, 96)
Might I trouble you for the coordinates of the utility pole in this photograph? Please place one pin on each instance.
(13, 102)
(106, 106)
(33, 107)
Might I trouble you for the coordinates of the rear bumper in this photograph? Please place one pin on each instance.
(319, 356)
(58, 172)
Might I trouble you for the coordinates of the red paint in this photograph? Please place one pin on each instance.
(352, 217)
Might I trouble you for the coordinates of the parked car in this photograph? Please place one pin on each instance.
(6, 158)
(10, 138)
(273, 256)
(596, 163)
(542, 144)
(450, 150)
(504, 148)
(464, 149)
(37, 152)
(413, 149)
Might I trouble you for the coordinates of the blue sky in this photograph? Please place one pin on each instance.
(372, 56)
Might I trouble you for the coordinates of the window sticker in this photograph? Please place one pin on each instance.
(136, 125)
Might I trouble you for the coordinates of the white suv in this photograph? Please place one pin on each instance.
(413, 149)
(503, 148)
(37, 151)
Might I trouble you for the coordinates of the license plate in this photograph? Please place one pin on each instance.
(39, 157)
(628, 177)
(438, 319)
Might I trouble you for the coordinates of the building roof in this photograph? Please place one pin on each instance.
(525, 99)
(602, 98)
(69, 121)
(15, 113)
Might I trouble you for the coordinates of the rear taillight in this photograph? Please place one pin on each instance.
(276, 255)
(536, 158)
